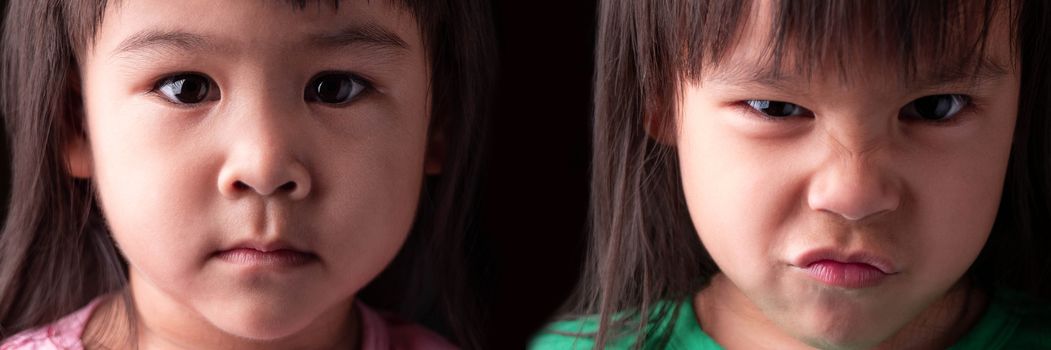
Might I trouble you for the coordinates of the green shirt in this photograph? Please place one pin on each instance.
(1012, 321)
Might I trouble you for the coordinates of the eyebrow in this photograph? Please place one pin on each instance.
(983, 71)
(158, 39)
(371, 34)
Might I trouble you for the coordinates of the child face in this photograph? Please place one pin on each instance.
(842, 208)
(257, 164)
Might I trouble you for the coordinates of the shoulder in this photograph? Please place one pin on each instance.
(1012, 321)
(384, 331)
(1031, 318)
(62, 334)
(672, 325)
(576, 333)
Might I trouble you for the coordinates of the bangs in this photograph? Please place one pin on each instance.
(83, 17)
(334, 4)
(644, 248)
(302, 4)
(937, 39)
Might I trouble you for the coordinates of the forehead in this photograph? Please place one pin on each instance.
(238, 26)
(861, 42)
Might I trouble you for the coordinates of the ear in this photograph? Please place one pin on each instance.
(77, 153)
(435, 156)
(659, 129)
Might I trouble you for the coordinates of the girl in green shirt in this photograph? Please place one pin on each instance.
(835, 175)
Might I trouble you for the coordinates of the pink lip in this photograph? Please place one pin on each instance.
(846, 275)
(273, 254)
(854, 271)
(275, 258)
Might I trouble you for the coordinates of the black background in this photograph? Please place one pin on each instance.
(536, 189)
(535, 182)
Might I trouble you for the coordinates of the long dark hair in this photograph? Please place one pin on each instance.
(644, 248)
(55, 252)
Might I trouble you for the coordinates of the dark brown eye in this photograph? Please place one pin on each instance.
(185, 88)
(777, 109)
(335, 88)
(936, 108)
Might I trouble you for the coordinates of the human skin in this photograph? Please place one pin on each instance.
(256, 166)
(856, 175)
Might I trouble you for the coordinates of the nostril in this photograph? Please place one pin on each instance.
(287, 187)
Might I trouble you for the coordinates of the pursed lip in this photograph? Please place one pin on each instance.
(810, 257)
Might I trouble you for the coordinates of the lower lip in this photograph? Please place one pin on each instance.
(276, 258)
(846, 275)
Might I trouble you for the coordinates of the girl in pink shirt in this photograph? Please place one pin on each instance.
(234, 174)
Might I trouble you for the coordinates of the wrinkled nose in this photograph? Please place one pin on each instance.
(854, 189)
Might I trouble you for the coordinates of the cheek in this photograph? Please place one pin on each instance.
(957, 180)
(739, 193)
(370, 206)
(956, 199)
(155, 197)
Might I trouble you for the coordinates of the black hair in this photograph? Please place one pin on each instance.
(644, 248)
(55, 250)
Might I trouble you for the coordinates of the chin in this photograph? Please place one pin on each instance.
(840, 332)
(261, 323)
(840, 341)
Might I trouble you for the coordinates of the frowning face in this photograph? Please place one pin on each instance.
(257, 165)
(842, 208)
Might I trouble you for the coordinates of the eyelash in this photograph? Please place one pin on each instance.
(158, 84)
(367, 87)
(969, 106)
(745, 107)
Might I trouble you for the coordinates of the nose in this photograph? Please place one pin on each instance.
(854, 189)
(262, 159)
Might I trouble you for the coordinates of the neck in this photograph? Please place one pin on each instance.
(162, 323)
(733, 321)
(943, 322)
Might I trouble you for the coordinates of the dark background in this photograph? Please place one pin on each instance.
(536, 188)
(535, 183)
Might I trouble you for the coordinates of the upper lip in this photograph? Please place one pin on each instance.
(861, 257)
(264, 246)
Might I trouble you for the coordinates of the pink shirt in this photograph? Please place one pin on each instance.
(380, 331)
